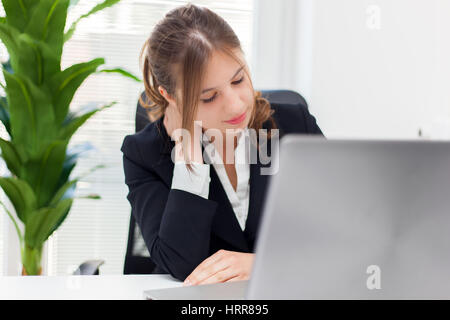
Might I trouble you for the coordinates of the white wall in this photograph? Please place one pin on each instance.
(368, 68)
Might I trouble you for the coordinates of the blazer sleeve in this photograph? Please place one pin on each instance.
(175, 224)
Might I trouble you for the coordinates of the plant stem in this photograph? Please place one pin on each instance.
(31, 259)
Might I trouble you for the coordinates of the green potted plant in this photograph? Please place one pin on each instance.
(36, 114)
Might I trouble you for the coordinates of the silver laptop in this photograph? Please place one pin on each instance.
(349, 220)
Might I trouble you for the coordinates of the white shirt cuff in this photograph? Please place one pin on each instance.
(196, 182)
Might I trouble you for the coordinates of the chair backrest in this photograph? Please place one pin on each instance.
(137, 259)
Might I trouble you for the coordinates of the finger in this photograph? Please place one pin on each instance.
(210, 260)
(221, 276)
(199, 275)
(214, 258)
(211, 271)
(236, 278)
(214, 264)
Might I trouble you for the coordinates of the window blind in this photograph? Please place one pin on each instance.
(98, 229)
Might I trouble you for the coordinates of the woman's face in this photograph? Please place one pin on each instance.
(227, 98)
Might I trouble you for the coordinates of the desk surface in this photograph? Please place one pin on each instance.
(83, 287)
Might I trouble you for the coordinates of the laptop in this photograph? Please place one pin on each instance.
(349, 220)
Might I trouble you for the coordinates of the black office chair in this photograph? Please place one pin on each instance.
(137, 259)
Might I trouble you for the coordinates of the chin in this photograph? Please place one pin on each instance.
(236, 126)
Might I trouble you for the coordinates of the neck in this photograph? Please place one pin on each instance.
(230, 142)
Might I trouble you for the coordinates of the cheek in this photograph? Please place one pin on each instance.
(209, 116)
(248, 94)
(249, 98)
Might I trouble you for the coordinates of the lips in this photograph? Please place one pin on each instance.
(238, 119)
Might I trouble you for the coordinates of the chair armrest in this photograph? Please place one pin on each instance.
(90, 267)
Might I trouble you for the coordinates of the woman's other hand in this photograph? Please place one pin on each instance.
(223, 266)
(173, 124)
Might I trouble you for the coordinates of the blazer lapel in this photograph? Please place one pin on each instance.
(258, 188)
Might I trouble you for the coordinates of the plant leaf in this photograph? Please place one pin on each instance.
(7, 66)
(47, 23)
(73, 3)
(72, 125)
(16, 226)
(36, 60)
(99, 7)
(29, 134)
(62, 217)
(67, 82)
(99, 166)
(43, 173)
(21, 196)
(23, 120)
(43, 221)
(8, 34)
(30, 62)
(92, 196)
(72, 156)
(122, 72)
(11, 157)
(4, 114)
(18, 12)
(66, 191)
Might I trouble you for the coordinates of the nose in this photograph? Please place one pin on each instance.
(233, 104)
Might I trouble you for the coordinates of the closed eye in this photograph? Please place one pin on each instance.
(210, 99)
(215, 95)
(238, 81)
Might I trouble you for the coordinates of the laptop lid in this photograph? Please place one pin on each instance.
(355, 220)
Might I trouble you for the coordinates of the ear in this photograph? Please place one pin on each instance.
(166, 95)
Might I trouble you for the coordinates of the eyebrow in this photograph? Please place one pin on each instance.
(209, 89)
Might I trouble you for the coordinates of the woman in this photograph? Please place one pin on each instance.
(199, 217)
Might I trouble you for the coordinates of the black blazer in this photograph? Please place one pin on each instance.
(182, 229)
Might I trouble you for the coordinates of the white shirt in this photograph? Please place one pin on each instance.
(198, 183)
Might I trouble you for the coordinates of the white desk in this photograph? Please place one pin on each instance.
(101, 287)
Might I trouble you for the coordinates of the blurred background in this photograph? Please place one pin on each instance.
(375, 69)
